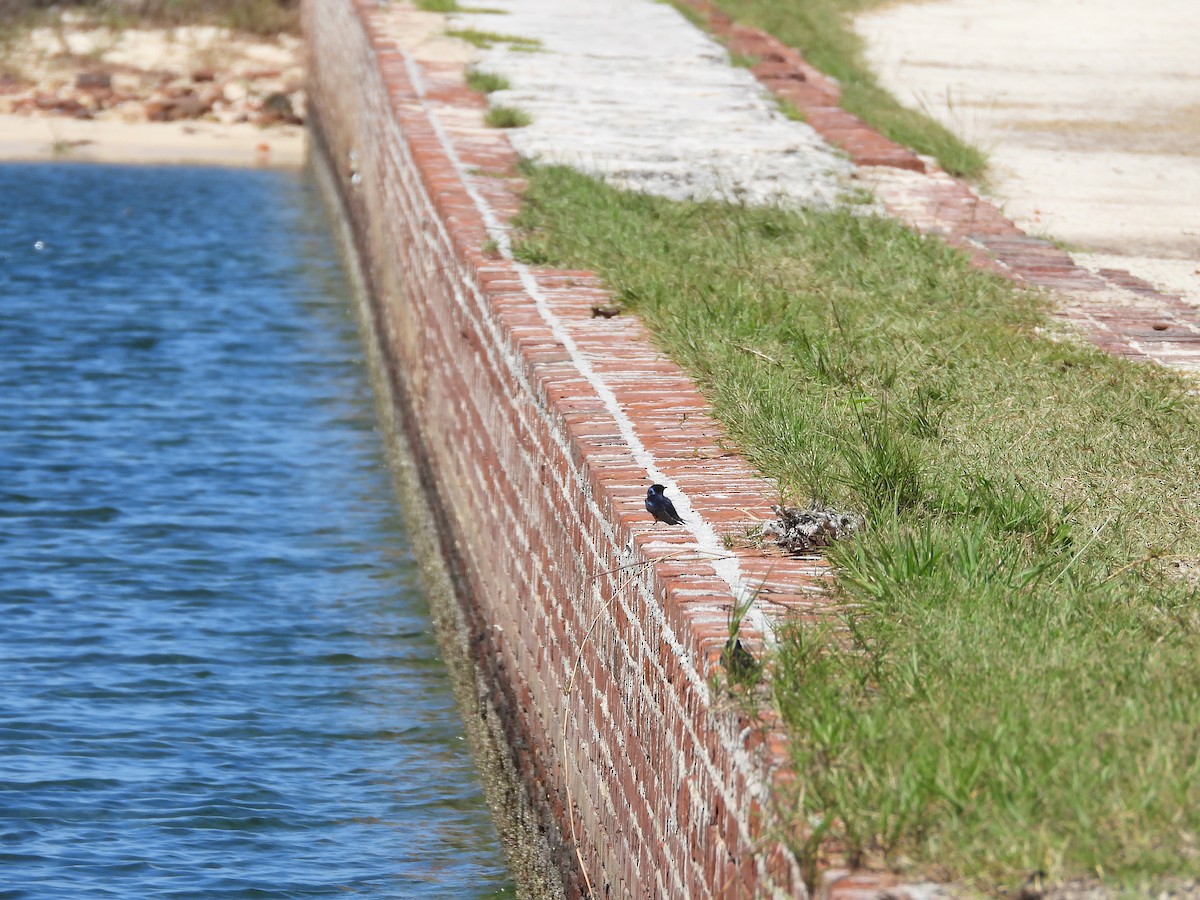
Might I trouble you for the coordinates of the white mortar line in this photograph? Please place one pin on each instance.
(727, 567)
(733, 744)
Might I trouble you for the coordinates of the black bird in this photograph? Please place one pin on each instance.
(660, 507)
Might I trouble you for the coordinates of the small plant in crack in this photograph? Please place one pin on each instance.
(789, 110)
(487, 39)
(486, 82)
(507, 117)
(742, 668)
(744, 60)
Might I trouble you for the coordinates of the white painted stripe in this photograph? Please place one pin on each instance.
(734, 744)
(708, 543)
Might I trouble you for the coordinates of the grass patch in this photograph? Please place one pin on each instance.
(487, 39)
(452, 6)
(481, 172)
(1014, 686)
(1065, 246)
(13, 30)
(507, 117)
(486, 82)
(692, 15)
(263, 18)
(742, 669)
(821, 31)
(260, 18)
(788, 109)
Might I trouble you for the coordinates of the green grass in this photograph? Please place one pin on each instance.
(1014, 684)
(486, 82)
(487, 39)
(452, 6)
(263, 18)
(507, 117)
(789, 110)
(14, 26)
(744, 60)
(259, 17)
(820, 30)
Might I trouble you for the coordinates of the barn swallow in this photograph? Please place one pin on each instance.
(660, 507)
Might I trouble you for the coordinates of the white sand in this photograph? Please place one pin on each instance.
(42, 138)
(1090, 110)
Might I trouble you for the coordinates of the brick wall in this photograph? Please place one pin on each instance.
(539, 427)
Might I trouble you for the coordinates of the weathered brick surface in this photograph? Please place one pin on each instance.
(539, 427)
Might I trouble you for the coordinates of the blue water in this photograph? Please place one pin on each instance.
(217, 677)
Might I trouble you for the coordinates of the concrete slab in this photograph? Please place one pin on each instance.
(631, 90)
(1089, 108)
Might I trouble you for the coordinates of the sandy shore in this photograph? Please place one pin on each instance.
(23, 138)
(196, 95)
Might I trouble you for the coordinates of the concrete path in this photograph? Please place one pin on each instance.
(1090, 110)
(631, 90)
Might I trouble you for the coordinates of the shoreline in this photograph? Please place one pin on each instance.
(191, 95)
(56, 139)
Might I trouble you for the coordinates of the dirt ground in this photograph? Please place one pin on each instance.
(193, 94)
(1090, 110)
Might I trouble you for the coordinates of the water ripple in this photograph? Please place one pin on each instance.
(219, 677)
